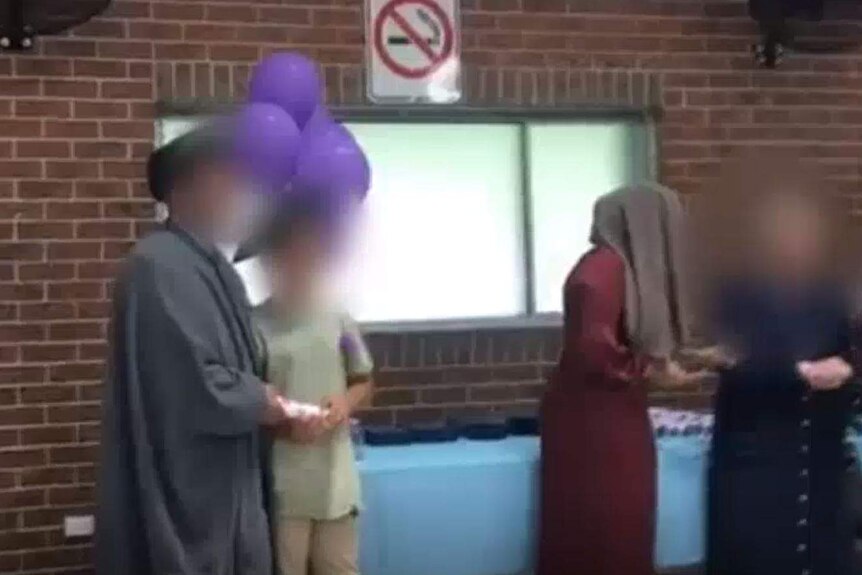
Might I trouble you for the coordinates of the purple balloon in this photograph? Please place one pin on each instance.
(319, 121)
(290, 81)
(267, 144)
(331, 162)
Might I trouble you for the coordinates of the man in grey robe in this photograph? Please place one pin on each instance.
(180, 489)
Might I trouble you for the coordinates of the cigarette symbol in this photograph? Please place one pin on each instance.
(428, 20)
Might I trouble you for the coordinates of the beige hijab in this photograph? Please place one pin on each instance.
(644, 224)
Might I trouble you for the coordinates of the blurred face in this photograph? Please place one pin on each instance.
(792, 236)
(299, 267)
(225, 201)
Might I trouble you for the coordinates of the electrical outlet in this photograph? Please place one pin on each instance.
(79, 525)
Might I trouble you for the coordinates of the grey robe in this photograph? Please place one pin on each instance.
(180, 487)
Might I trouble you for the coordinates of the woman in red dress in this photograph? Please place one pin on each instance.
(623, 318)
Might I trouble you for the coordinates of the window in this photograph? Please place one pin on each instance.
(472, 220)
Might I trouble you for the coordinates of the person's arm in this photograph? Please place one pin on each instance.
(358, 368)
(178, 352)
(594, 311)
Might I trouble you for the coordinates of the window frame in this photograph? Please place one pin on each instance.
(523, 118)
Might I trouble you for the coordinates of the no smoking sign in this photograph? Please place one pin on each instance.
(413, 52)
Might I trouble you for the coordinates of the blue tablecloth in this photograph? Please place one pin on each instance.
(469, 508)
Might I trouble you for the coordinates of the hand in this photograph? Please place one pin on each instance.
(307, 429)
(274, 412)
(825, 374)
(712, 358)
(668, 373)
(337, 409)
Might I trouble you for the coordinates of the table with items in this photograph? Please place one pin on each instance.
(437, 504)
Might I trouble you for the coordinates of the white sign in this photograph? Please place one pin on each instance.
(413, 51)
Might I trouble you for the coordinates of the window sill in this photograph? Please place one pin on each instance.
(538, 321)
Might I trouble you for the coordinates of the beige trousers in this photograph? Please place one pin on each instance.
(319, 547)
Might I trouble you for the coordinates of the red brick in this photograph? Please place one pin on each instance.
(21, 374)
(393, 397)
(129, 210)
(90, 110)
(155, 30)
(45, 230)
(47, 311)
(101, 149)
(53, 46)
(73, 495)
(79, 413)
(10, 563)
(20, 169)
(47, 353)
(178, 11)
(93, 351)
(126, 90)
(37, 190)
(70, 88)
(113, 230)
(21, 291)
(135, 130)
(90, 433)
(93, 309)
(74, 250)
(181, 51)
(284, 15)
(8, 520)
(46, 271)
(71, 129)
(13, 87)
(52, 67)
(73, 454)
(100, 68)
(48, 393)
(56, 558)
(113, 169)
(42, 149)
(73, 210)
(126, 50)
(101, 189)
(42, 108)
(47, 476)
(75, 290)
(97, 270)
(10, 210)
(22, 539)
(75, 331)
(210, 32)
(54, 434)
(20, 458)
(129, 9)
(9, 438)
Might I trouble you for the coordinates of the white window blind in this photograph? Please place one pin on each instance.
(444, 232)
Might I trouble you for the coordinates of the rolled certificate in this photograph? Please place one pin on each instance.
(297, 409)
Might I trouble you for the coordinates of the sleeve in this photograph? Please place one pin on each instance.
(593, 312)
(178, 351)
(357, 358)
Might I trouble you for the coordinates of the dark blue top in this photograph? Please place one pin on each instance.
(772, 331)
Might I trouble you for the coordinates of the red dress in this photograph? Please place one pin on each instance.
(598, 454)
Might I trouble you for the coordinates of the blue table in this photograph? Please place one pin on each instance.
(470, 508)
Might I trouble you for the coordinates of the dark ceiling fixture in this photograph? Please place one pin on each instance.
(22, 20)
(786, 25)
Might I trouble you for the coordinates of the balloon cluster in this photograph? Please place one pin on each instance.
(288, 141)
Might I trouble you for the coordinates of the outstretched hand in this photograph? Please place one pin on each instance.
(710, 358)
(825, 374)
(668, 373)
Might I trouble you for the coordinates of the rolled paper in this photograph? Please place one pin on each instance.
(296, 409)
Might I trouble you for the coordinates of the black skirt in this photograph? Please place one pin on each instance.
(780, 492)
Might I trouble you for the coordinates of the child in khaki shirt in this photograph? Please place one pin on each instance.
(315, 355)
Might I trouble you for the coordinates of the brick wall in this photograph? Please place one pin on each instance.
(76, 122)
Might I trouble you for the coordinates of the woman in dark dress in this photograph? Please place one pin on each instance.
(779, 463)
(623, 305)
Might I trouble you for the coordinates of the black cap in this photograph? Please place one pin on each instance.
(177, 158)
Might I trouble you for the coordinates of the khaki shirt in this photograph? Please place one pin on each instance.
(309, 358)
